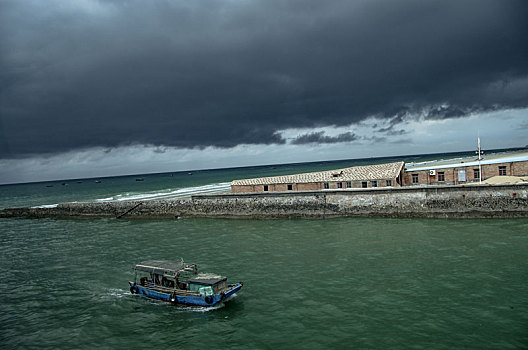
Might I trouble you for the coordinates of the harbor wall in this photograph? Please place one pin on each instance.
(469, 201)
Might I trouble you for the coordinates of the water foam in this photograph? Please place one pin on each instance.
(118, 293)
(169, 193)
(46, 206)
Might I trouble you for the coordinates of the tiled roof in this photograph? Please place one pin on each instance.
(357, 173)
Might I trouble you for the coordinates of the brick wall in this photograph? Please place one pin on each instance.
(312, 186)
(451, 174)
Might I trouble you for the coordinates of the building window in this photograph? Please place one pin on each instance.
(461, 175)
(339, 185)
(476, 173)
(349, 184)
(364, 184)
(325, 185)
(265, 188)
(414, 178)
(441, 176)
(389, 182)
(374, 183)
(502, 170)
(290, 187)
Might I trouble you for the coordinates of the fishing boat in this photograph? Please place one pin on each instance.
(180, 283)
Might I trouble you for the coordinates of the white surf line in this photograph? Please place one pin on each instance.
(179, 193)
(45, 206)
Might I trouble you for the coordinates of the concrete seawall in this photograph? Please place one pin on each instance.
(469, 201)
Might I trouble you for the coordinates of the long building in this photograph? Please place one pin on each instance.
(468, 170)
(397, 174)
(378, 175)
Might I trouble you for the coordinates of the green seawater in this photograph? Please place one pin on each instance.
(308, 284)
(344, 283)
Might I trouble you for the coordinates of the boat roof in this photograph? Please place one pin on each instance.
(164, 267)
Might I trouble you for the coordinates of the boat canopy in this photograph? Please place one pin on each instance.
(162, 267)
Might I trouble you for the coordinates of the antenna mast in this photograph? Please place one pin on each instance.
(479, 151)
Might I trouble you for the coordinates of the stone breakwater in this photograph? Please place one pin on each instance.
(469, 201)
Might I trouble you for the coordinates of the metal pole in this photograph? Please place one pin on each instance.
(479, 158)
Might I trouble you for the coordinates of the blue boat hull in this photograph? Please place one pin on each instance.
(192, 300)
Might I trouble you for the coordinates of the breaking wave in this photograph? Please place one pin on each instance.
(169, 193)
(46, 206)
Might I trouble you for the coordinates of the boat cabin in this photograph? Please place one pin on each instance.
(208, 286)
(165, 273)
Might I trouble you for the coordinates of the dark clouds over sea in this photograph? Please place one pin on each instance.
(80, 74)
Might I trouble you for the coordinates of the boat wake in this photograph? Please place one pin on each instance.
(117, 293)
(186, 192)
(200, 308)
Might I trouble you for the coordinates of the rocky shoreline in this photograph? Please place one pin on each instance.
(468, 201)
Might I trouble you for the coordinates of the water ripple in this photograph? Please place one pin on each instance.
(311, 284)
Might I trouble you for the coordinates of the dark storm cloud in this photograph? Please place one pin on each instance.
(77, 74)
(320, 137)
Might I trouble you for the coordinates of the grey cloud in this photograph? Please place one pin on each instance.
(397, 132)
(193, 74)
(320, 137)
(377, 139)
(523, 126)
(402, 141)
(160, 150)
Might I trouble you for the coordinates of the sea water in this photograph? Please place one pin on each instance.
(347, 283)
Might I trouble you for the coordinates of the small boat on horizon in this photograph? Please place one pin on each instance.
(180, 284)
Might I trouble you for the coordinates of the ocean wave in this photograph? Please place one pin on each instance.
(46, 206)
(168, 193)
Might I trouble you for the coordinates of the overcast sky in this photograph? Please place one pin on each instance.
(95, 88)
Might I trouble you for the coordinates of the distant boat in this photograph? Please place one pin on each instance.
(140, 179)
(79, 182)
(97, 181)
(189, 173)
(49, 185)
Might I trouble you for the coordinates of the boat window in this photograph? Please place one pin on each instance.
(203, 290)
(206, 290)
(167, 282)
(143, 278)
(156, 278)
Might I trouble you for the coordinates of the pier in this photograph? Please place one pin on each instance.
(468, 201)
